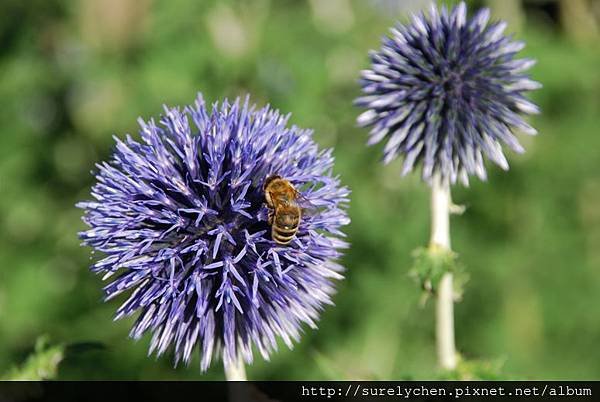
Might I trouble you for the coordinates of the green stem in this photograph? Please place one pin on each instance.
(440, 239)
(235, 371)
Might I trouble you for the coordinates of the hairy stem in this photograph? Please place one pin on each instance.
(440, 240)
(235, 371)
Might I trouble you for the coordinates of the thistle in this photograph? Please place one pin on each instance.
(181, 222)
(445, 92)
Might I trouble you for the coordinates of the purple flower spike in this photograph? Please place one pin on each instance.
(446, 90)
(182, 225)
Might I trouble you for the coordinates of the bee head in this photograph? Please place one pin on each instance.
(269, 180)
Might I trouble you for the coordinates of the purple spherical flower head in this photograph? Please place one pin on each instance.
(445, 91)
(181, 222)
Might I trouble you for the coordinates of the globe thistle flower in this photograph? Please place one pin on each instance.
(445, 91)
(181, 222)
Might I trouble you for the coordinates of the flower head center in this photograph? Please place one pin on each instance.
(454, 84)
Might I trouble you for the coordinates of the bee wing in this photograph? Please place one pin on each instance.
(310, 211)
(307, 206)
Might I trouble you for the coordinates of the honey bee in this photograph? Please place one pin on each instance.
(284, 210)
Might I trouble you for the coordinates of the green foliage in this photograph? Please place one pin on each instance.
(477, 370)
(42, 364)
(75, 73)
(431, 263)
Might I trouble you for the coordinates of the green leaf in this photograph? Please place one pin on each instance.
(477, 370)
(42, 364)
(431, 263)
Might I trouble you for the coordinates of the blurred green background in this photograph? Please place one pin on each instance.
(73, 73)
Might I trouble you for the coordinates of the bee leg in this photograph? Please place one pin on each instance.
(268, 199)
(270, 217)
